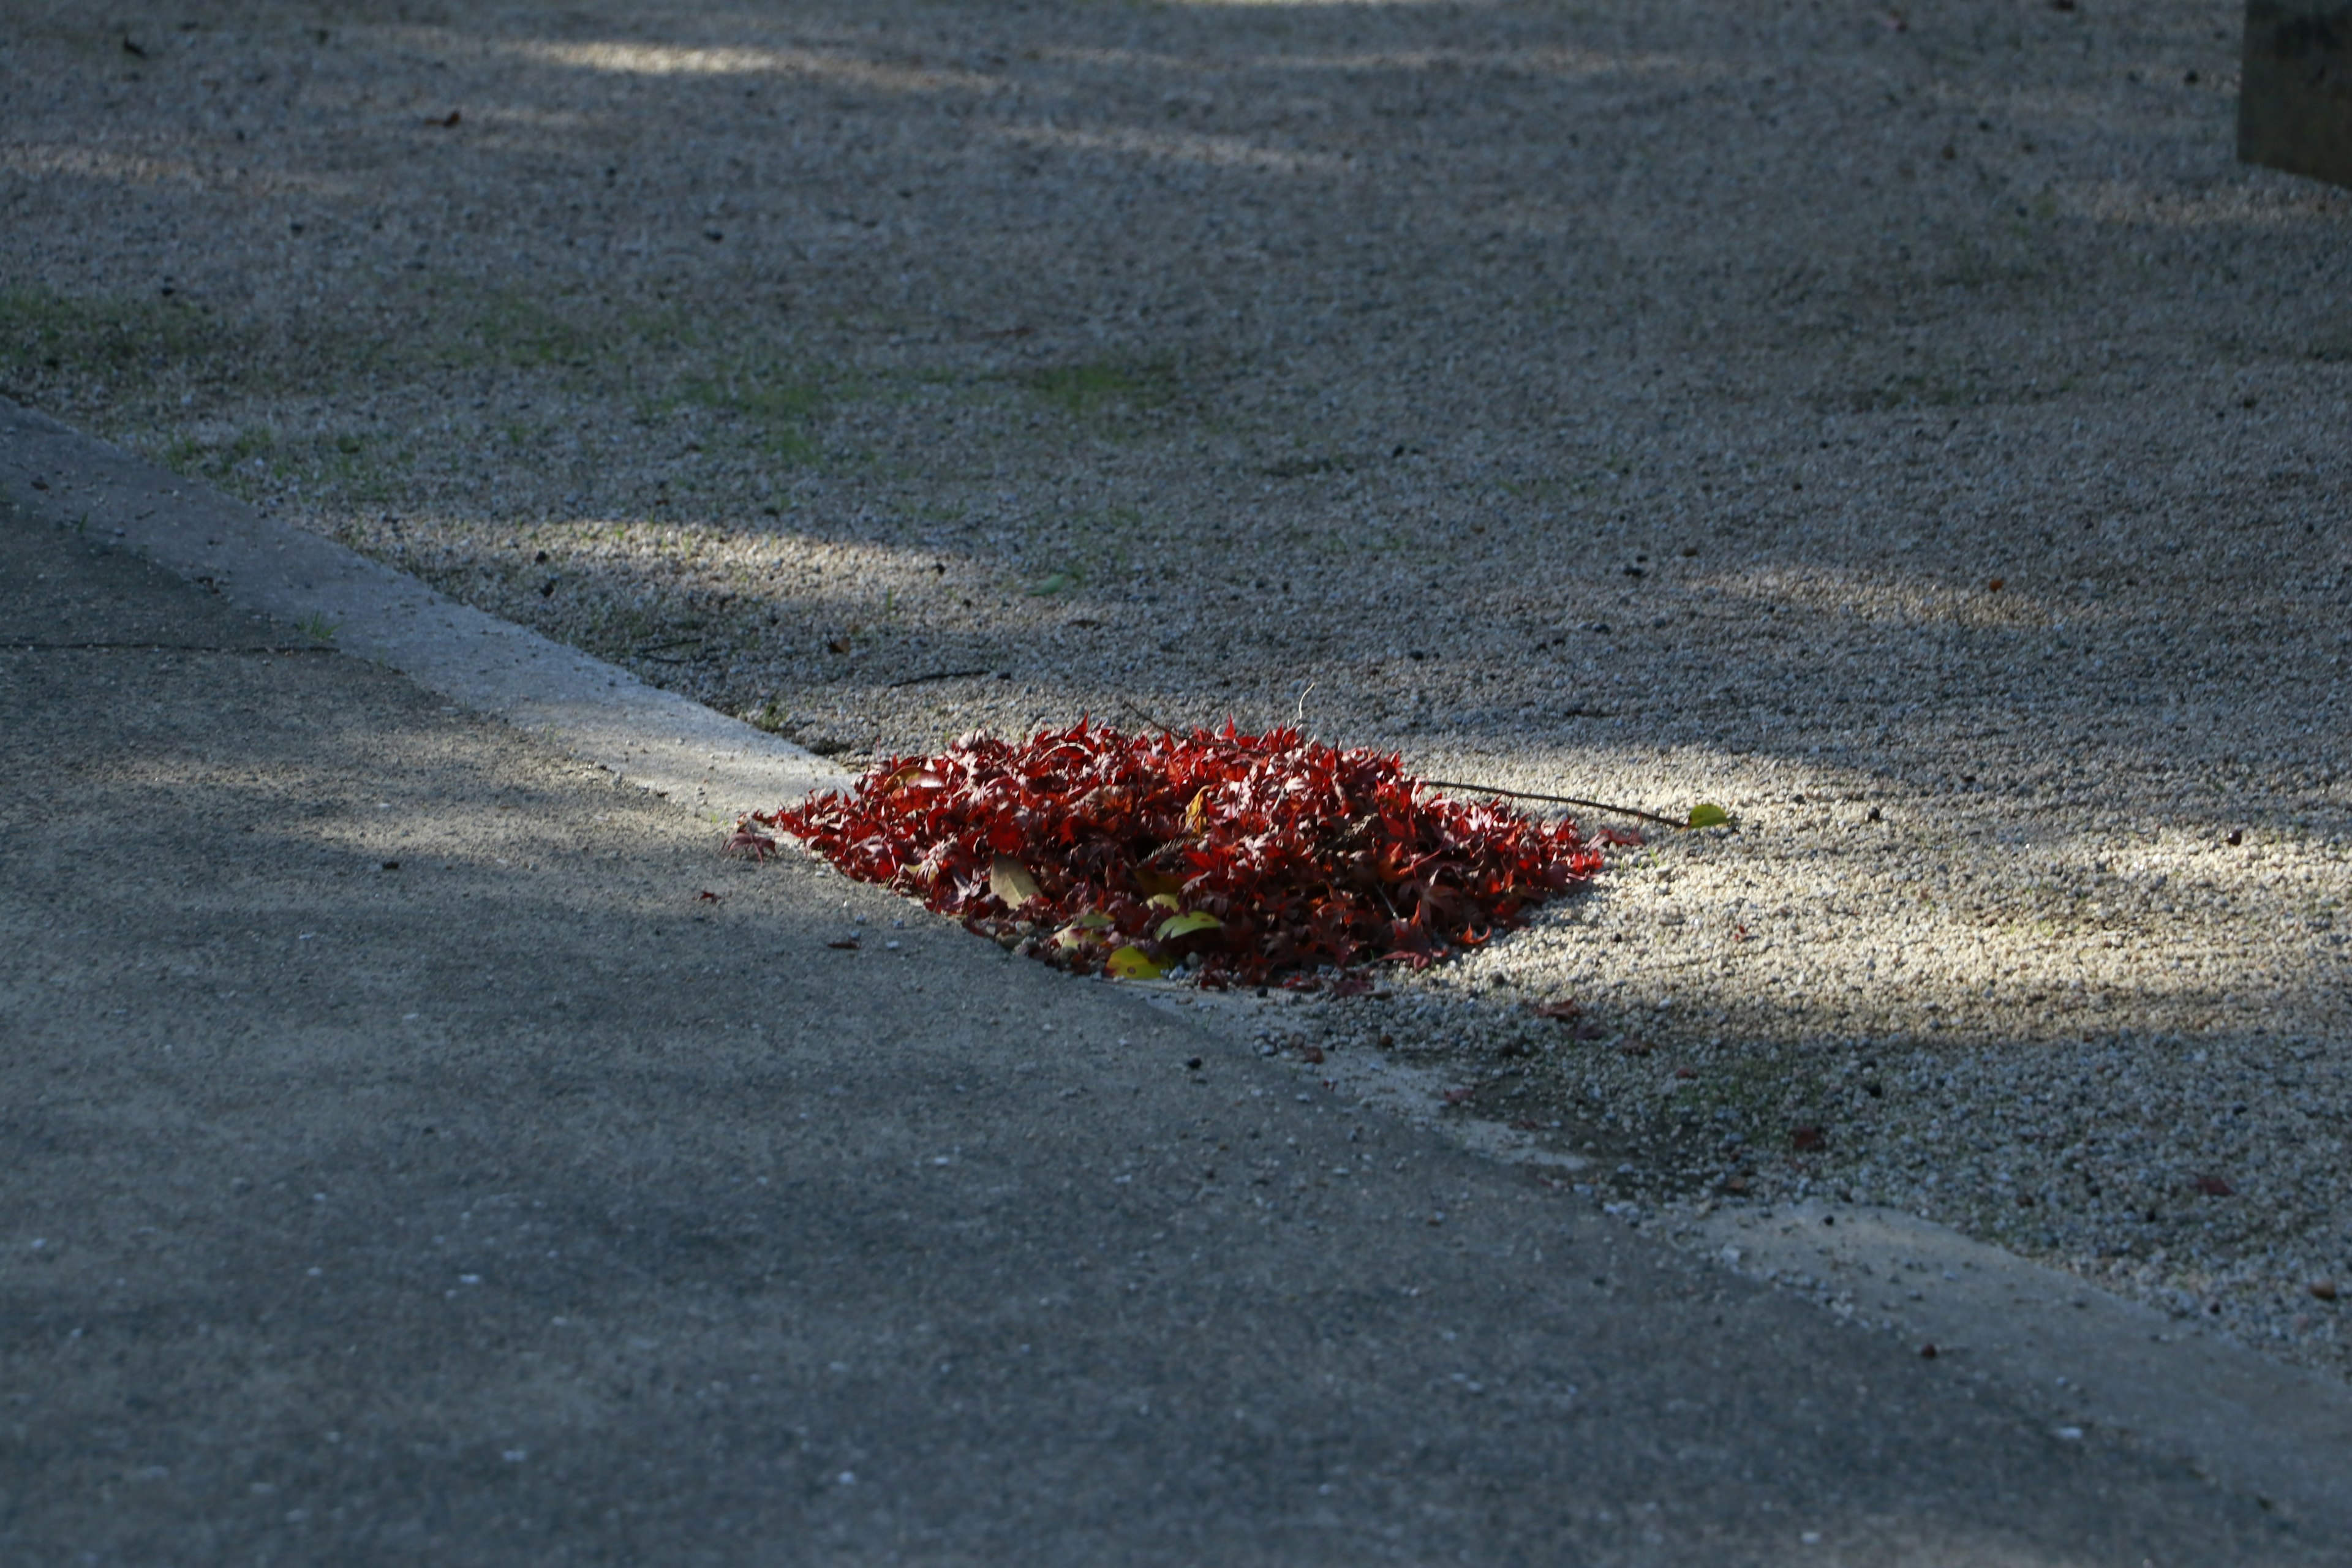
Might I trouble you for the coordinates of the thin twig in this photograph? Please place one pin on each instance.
(935, 675)
(1558, 800)
(1300, 723)
(1146, 715)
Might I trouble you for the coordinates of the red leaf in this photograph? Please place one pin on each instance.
(1805, 1140)
(1560, 1010)
(759, 846)
(849, 943)
(2215, 1187)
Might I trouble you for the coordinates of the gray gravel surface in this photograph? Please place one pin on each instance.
(408, 1161)
(1909, 430)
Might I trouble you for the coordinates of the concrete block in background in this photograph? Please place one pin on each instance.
(2294, 105)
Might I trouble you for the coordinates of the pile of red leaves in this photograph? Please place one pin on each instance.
(1248, 855)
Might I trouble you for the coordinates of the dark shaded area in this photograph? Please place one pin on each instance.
(2295, 103)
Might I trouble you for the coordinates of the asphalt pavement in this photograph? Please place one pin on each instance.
(422, 1146)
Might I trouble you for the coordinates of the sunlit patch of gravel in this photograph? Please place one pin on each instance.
(1925, 442)
(2172, 1135)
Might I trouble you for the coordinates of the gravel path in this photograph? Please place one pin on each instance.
(1915, 434)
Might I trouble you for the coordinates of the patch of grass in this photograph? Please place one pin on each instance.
(1943, 387)
(1111, 394)
(667, 327)
(1975, 266)
(349, 465)
(783, 401)
(514, 329)
(243, 457)
(44, 334)
(1090, 544)
(358, 468)
(1916, 390)
(1305, 466)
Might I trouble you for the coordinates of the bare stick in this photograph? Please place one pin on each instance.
(1146, 716)
(935, 675)
(1558, 800)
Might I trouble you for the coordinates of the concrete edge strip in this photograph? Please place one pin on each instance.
(2275, 1430)
(594, 710)
(2108, 1365)
(2098, 1364)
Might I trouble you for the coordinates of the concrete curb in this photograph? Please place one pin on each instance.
(2099, 1362)
(592, 710)
(2276, 1431)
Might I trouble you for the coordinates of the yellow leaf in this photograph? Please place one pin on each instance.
(1196, 816)
(1185, 925)
(1164, 901)
(1087, 928)
(1010, 880)
(1153, 881)
(1132, 963)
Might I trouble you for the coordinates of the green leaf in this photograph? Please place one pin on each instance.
(1093, 920)
(1132, 963)
(1010, 880)
(1705, 816)
(1185, 925)
(1053, 585)
(1167, 901)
